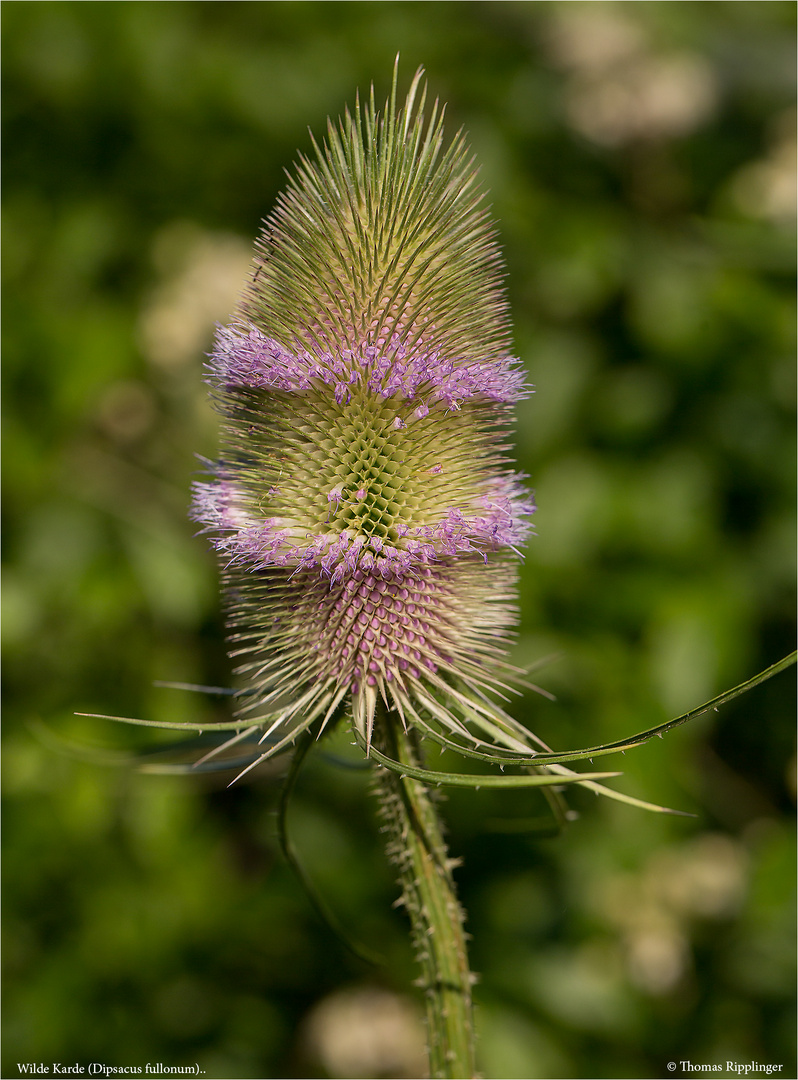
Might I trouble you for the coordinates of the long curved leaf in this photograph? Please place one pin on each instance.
(431, 776)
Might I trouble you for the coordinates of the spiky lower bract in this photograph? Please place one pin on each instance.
(367, 521)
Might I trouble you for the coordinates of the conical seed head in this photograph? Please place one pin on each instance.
(366, 518)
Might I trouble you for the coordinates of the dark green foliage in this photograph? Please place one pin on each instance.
(651, 281)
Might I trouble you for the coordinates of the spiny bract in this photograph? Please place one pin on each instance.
(366, 519)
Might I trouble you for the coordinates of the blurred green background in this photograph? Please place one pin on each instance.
(640, 160)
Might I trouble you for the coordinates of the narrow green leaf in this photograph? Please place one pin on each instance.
(170, 725)
(430, 776)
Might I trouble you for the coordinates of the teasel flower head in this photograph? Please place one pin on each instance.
(364, 510)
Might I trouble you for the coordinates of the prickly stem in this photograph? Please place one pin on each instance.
(416, 846)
